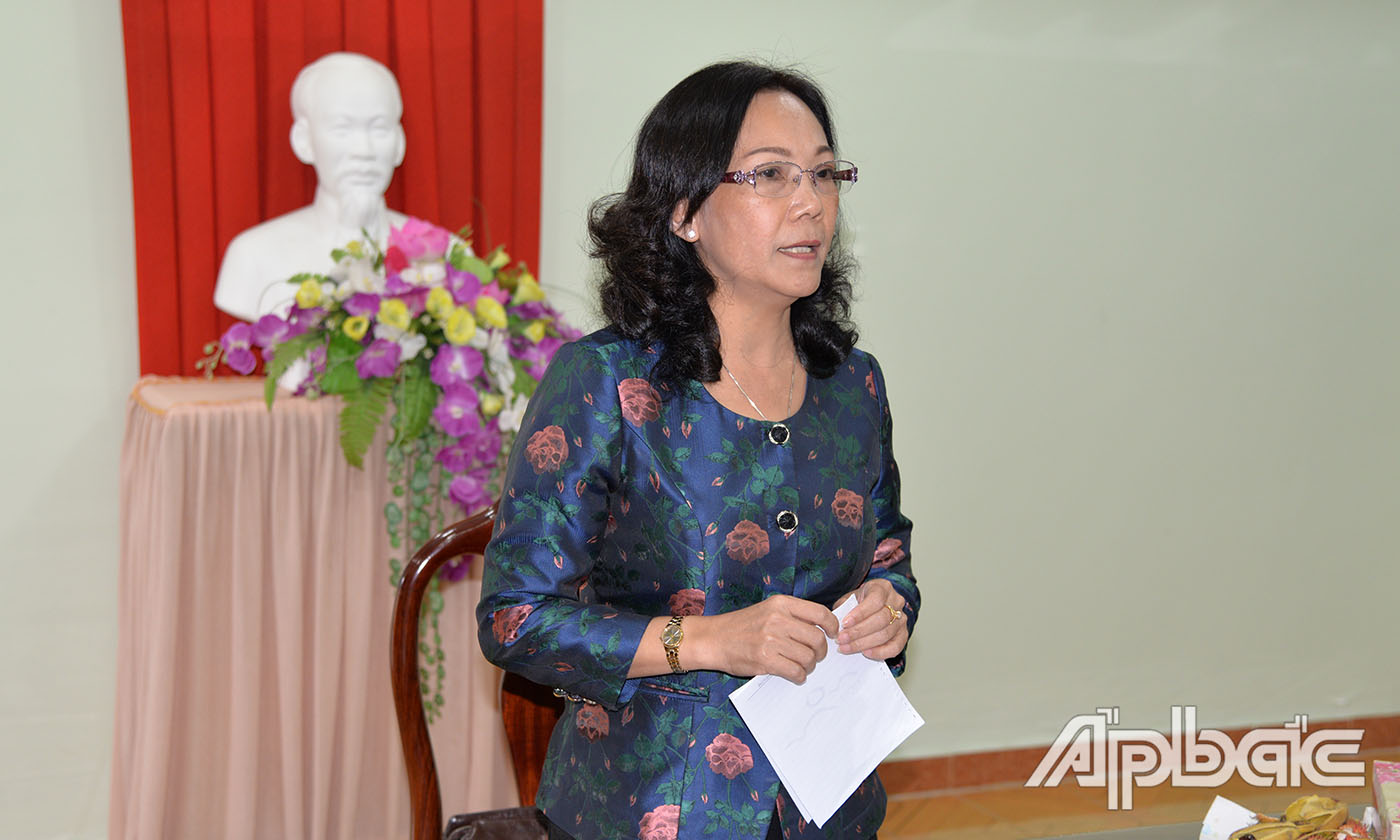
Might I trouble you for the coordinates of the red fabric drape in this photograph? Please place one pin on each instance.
(208, 86)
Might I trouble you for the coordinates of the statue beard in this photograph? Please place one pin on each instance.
(363, 209)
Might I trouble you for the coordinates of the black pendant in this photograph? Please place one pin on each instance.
(787, 522)
(778, 434)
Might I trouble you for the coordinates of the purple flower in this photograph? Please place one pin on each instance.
(536, 356)
(464, 286)
(381, 358)
(532, 309)
(316, 356)
(457, 456)
(487, 446)
(416, 300)
(455, 365)
(236, 344)
(270, 330)
(363, 303)
(470, 490)
(456, 568)
(456, 411)
(396, 285)
(300, 320)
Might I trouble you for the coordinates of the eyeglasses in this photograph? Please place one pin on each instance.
(781, 178)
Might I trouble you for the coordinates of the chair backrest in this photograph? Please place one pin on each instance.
(529, 710)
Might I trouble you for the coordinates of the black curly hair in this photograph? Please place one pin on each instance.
(654, 287)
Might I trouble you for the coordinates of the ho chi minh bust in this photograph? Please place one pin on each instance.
(346, 109)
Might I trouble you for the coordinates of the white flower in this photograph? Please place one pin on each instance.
(411, 344)
(513, 414)
(297, 373)
(388, 332)
(359, 276)
(424, 274)
(498, 362)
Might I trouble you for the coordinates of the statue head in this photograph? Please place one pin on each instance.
(345, 122)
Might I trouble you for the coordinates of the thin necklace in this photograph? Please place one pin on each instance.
(777, 432)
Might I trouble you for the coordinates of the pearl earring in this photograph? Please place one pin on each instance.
(690, 234)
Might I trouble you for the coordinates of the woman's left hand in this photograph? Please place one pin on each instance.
(877, 625)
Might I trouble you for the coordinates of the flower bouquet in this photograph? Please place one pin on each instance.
(453, 342)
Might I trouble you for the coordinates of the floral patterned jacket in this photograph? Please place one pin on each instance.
(622, 503)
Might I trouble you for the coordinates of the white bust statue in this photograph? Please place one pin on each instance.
(345, 109)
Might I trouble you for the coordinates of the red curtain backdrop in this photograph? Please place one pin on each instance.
(208, 86)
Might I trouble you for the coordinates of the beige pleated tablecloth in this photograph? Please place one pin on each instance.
(253, 696)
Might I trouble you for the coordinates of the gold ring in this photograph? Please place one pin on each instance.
(894, 614)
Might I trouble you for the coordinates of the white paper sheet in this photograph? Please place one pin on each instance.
(826, 736)
(1225, 818)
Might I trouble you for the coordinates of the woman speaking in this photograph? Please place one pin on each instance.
(697, 485)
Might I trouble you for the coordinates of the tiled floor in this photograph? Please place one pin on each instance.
(1012, 812)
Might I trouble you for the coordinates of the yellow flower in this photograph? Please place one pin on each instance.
(527, 288)
(394, 313)
(356, 326)
(355, 249)
(535, 331)
(500, 259)
(491, 404)
(309, 293)
(460, 326)
(490, 312)
(439, 303)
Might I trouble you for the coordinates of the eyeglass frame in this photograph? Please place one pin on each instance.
(749, 177)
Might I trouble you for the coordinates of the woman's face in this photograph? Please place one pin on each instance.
(768, 250)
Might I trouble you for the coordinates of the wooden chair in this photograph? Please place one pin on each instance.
(529, 710)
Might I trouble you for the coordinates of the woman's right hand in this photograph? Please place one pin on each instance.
(780, 635)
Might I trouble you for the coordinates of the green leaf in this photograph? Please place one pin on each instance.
(341, 348)
(462, 261)
(417, 398)
(283, 356)
(341, 379)
(360, 418)
(525, 383)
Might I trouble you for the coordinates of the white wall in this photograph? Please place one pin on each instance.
(69, 344)
(1132, 271)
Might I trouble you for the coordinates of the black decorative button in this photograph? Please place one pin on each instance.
(787, 522)
(778, 434)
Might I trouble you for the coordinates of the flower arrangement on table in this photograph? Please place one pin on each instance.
(454, 342)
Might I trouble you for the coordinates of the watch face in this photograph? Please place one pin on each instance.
(672, 635)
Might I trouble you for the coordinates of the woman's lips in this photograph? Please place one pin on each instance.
(801, 250)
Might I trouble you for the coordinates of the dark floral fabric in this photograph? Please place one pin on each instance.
(623, 503)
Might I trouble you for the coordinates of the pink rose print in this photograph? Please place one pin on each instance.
(747, 542)
(592, 721)
(505, 623)
(660, 823)
(688, 602)
(640, 402)
(547, 449)
(888, 552)
(848, 508)
(1387, 771)
(728, 756)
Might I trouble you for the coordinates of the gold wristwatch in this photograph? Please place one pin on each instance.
(671, 636)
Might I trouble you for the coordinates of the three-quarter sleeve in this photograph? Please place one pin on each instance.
(553, 514)
(892, 552)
